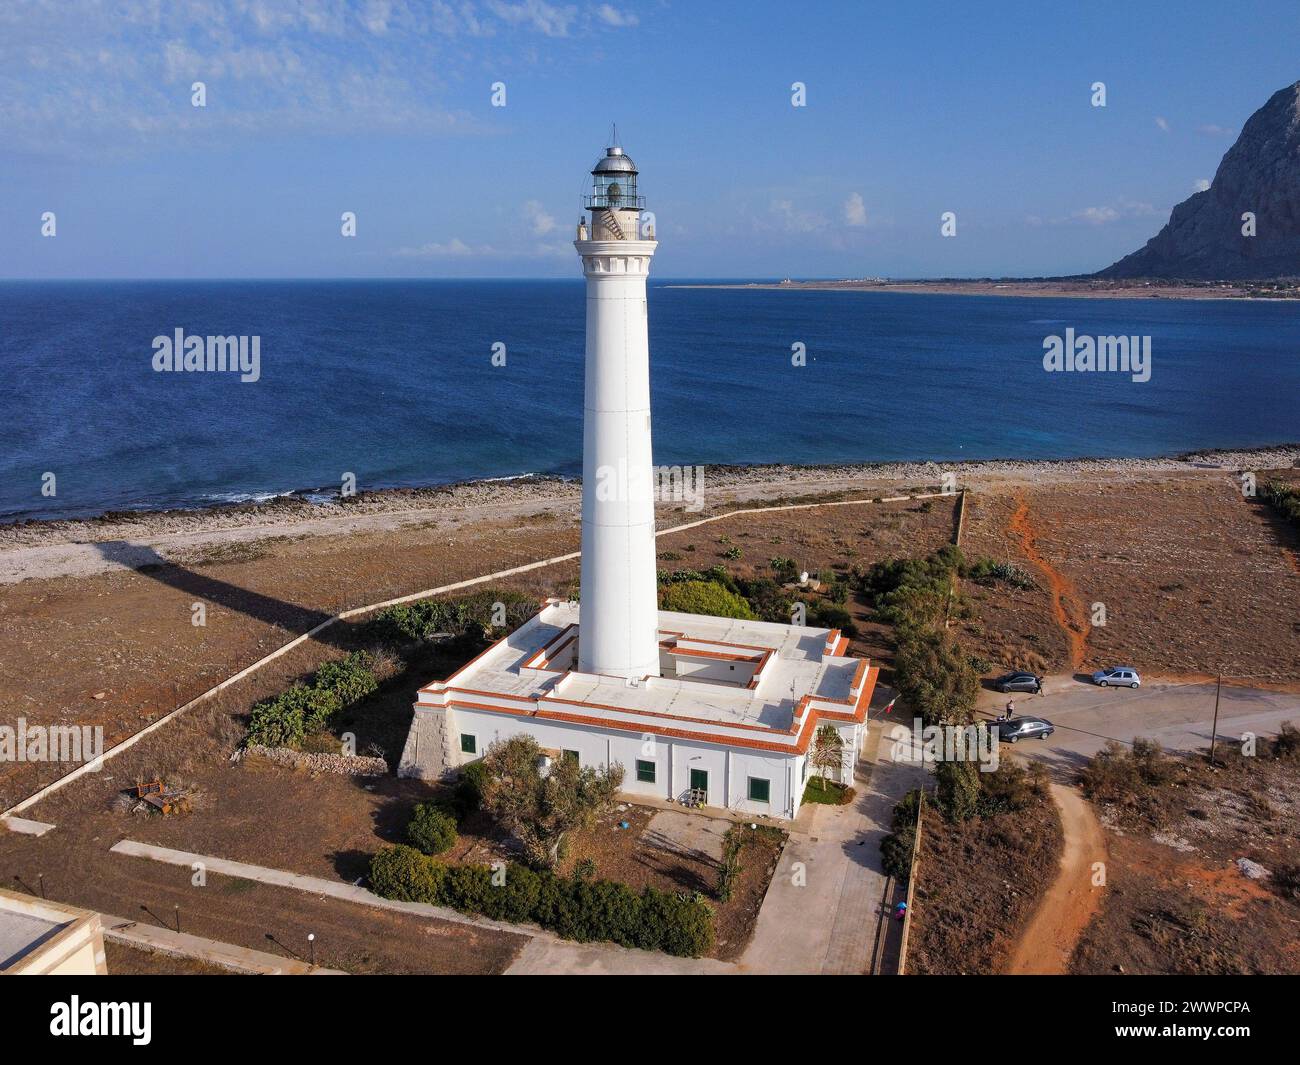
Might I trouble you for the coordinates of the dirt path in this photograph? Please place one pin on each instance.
(1067, 608)
(1069, 904)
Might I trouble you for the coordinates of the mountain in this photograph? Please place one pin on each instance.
(1203, 239)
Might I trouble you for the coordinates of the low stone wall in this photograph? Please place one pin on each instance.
(353, 765)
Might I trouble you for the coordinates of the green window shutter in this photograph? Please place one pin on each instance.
(760, 790)
(645, 772)
(468, 744)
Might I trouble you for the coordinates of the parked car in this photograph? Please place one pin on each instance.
(1024, 728)
(1019, 682)
(1117, 676)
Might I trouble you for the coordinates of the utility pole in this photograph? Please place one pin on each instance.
(1214, 730)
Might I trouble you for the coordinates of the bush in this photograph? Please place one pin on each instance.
(403, 873)
(1118, 775)
(351, 679)
(704, 597)
(468, 794)
(472, 615)
(576, 909)
(896, 853)
(1285, 499)
(896, 848)
(1286, 745)
(1011, 787)
(276, 723)
(958, 791)
(284, 720)
(987, 571)
(431, 829)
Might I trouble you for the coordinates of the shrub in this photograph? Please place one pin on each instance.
(583, 910)
(468, 794)
(987, 571)
(826, 615)
(276, 723)
(1285, 499)
(704, 597)
(958, 790)
(1118, 775)
(732, 553)
(472, 615)
(351, 679)
(896, 848)
(1286, 745)
(1011, 787)
(405, 874)
(896, 853)
(784, 568)
(431, 829)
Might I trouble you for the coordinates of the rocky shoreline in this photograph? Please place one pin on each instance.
(722, 484)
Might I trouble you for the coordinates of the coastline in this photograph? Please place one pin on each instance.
(81, 547)
(1038, 289)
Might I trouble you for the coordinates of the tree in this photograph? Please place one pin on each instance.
(935, 678)
(538, 807)
(827, 752)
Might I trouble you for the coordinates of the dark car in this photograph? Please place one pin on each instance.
(1019, 682)
(1024, 728)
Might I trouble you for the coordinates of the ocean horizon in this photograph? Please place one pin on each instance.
(413, 383)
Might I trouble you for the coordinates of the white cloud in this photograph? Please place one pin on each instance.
(1097, 216)
(611, 16)
(794, 220)
(542, 222)
(1211, 130)
(453, 248)
(1202, 185)
(545, 18)
(855, 211)
(1163, 123)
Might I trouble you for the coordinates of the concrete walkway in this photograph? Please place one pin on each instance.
(222, 955)
(822, 909)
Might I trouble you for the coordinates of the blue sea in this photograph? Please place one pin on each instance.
(393, 381)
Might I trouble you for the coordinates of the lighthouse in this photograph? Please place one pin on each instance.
(618, 632)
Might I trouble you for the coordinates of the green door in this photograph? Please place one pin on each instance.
(700, 781)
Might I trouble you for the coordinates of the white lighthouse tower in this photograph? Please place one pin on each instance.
(618, 631)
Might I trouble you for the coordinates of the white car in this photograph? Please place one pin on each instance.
(1118, 676)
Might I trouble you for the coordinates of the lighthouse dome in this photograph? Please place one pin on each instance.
(615, 161)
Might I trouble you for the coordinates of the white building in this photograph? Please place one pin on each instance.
(713, 710)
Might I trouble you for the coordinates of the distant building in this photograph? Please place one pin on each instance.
(714, 711)
(43, 938)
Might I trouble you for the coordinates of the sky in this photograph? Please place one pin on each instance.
(387, 109)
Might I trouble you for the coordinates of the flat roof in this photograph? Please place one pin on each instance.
(785, 672)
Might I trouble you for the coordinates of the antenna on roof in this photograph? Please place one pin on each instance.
(613, 134)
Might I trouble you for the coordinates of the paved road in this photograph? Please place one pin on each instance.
(1178, 715)
(820, 912)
